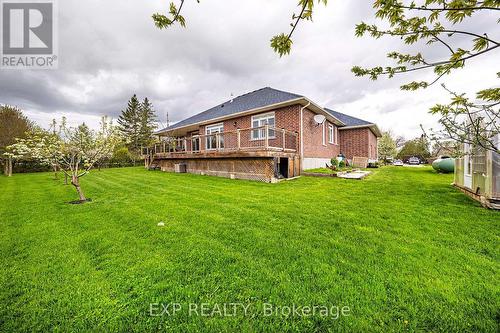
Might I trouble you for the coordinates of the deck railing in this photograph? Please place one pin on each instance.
(262, 138)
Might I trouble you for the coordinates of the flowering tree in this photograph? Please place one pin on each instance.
(387, 148)
(74, 150)
(38, 145)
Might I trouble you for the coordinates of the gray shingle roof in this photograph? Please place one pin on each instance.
(252, 100)
(348, 120)
(257, 99)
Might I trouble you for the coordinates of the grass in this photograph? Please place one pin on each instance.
(329, 171)
(402, 249)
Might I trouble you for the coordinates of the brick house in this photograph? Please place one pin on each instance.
(263, 135)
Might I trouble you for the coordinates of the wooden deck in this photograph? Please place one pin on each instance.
(254, 153)
(264, 141)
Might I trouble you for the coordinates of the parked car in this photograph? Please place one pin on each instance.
(398, 163)
(414, 160)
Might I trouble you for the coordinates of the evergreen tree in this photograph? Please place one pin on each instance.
(147, 122)
(129, 124)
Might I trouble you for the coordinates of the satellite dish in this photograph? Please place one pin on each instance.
(319, 119)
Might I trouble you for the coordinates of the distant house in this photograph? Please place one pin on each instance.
(477, 173)
(264, 135)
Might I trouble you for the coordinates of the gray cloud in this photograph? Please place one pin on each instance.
(110, 50)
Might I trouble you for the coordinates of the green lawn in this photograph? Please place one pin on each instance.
(402, 249)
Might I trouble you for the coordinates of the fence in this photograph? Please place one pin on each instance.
(248, 139)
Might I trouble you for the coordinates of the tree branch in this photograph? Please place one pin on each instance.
(178, 12)
(431, 32)
(444, 8)
(297, 21)
(444, 62)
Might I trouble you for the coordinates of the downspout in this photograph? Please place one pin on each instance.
(302, 132)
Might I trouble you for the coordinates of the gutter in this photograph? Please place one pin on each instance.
(302, 130)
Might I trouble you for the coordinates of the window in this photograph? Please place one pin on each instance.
(260, 121)
(215, 141)
(331, 134)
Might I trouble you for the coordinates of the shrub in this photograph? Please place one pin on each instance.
(121, 157)
(342, 164)
(334, 161)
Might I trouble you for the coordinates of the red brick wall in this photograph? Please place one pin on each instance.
(289, 118)
(359, 142)
(313, 138)
(373, 143)
(286, 117)
(353, 142)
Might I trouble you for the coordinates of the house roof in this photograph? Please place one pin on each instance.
(252, 100)
(353, 122)
(262, 98)
(348, 120)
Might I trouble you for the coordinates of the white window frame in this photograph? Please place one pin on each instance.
(323, 133)
(208, 131)
(195, 138)
(331, 134)
(261, 133)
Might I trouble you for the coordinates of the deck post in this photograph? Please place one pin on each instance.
(266, 141)
(238, 134)
(284, 138)
(217, 146)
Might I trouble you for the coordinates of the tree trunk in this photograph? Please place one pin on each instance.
(76, 183)
(65, 179)
(54, 167)
(9, 167)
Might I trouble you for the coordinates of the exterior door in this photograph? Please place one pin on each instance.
(215, 137)
(467, 166)
(195, 143)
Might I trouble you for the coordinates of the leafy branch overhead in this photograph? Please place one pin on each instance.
(436, 23)
(282, 43)
(163, 21)
(427, 29)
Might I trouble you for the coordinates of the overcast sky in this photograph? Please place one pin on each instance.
(109, 50)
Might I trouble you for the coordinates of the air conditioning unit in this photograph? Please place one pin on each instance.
(180, 168)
